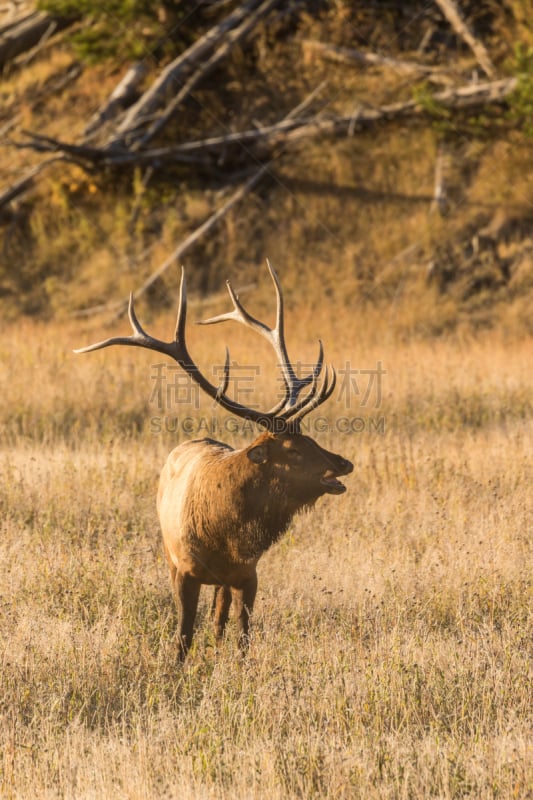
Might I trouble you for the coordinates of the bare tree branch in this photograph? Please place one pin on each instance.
(453, 14)
(122, 95)
(348, 55)
(27, 33)
(197, 234)
(26, 182)
(439, 202)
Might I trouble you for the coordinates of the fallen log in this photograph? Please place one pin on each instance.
(13, 14)
(472, 96)
(211, 221)
(176, 72)
(348, 55)
(455, 18)
(88, 156)
(259, 142)
(123, 95)
(26, 181)
(28, 33)
(197, 234)
(236, 35)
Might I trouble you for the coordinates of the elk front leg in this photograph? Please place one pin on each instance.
(221, 606)
(243, 602)
(187, 592)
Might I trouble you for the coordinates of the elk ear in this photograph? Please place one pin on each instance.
(259, 454)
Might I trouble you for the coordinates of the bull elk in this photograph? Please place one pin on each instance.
(220, 508)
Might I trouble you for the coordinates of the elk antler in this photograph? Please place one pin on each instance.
(287, 413)
(276, 337)
(291, 408)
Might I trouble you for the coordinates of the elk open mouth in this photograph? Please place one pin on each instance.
(329, 480)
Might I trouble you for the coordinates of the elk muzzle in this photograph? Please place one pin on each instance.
(329, 480)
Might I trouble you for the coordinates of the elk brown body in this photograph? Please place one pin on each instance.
(220, 508)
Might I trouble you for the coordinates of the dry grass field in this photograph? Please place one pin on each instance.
(392, 641)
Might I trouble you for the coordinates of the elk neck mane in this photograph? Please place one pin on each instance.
(228, 500)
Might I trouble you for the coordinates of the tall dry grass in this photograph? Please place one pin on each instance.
(391, 650)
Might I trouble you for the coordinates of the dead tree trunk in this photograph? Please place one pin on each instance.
(27, 33)
(348, 55)
(262, 141)
(236, 35)
(123, 94)
(455, 18)
(176, 72)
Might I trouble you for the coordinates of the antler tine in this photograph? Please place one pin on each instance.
(179, 334)
(276, 337)
(313, 402)
(239, 314)
(177, 350)
(134, 322)
(139, 338)
(222, 389)
(291, 410)
(280, 307)
(282, 403)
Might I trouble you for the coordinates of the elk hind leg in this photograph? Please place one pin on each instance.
(220, 609)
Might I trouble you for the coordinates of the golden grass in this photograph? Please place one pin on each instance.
(391, 651)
